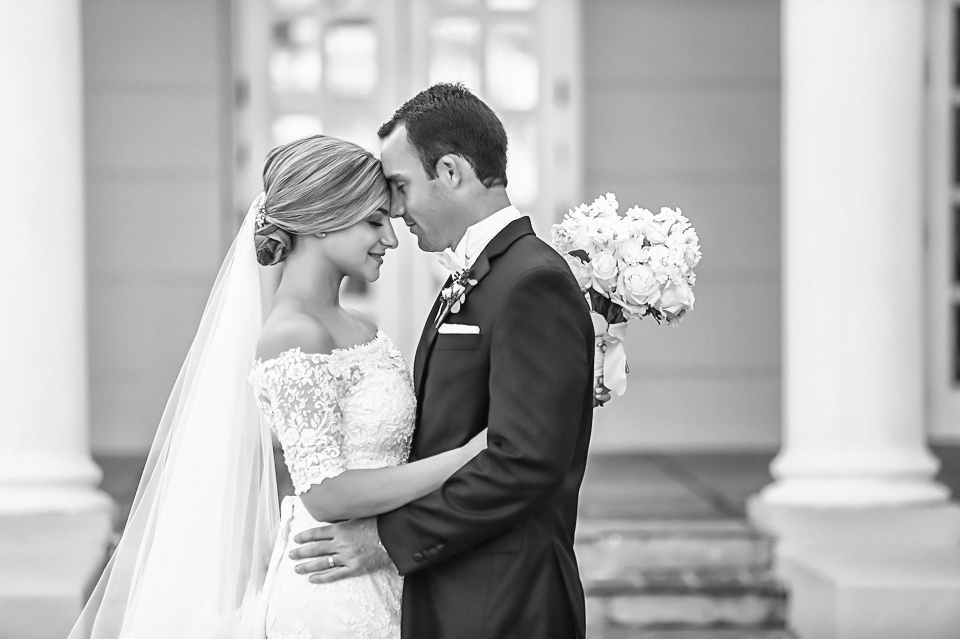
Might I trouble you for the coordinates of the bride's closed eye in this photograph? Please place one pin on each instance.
(377, 219)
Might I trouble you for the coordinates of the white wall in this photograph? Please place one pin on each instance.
(154, 166)
(682, 101)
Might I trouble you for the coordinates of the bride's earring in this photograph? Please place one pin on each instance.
(323, 235)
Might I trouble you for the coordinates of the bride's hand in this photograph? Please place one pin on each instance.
(475, 445)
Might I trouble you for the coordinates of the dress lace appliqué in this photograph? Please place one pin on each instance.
(353, 408)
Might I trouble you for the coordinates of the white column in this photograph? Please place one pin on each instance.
(54, 524)
(866, 538)
(45, 463)
(853, 270)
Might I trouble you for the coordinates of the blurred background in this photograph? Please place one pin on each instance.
(663, 103)
(134, 135)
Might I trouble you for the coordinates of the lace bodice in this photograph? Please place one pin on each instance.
(353, 408)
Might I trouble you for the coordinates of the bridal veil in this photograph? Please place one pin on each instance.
(194, 553)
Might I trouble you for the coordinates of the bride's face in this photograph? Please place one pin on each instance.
(358, 250)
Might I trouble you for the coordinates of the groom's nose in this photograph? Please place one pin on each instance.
(396, 208)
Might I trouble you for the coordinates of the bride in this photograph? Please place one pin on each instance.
(203, 554)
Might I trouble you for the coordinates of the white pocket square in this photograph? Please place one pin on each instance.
(458, 329)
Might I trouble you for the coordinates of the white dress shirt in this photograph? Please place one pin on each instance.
(479, 235)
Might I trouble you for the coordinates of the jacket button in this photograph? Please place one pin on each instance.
(433, 552)
(441, 547)
(418, 556)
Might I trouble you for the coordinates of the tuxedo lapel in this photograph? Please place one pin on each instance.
(497, 247)
(480, 269)
(510, 234)
(427, 338)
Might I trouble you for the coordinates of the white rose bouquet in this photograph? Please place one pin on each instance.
(631, 266)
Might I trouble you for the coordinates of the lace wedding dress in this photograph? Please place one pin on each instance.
(354, 408)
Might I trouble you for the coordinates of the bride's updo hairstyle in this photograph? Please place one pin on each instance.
(315, 185)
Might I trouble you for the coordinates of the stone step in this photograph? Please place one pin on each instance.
(609, 548)
(663, 576)
(744, 598)
(689, 633)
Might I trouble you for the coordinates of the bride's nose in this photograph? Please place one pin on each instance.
(389, 237)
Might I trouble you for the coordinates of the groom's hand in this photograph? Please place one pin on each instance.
(339, 551)
(601, 395)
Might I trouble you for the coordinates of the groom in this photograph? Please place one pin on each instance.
(489, 554)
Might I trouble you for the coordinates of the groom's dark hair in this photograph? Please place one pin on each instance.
(448, 119)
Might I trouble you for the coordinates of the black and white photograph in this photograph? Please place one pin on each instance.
(480, 319)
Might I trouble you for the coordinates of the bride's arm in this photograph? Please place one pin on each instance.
(367, 492)
(347, 494)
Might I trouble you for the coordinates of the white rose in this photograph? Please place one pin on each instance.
(591, 211)
(675, 241)
(676, 298)
(637, 285)
(668, 218)
(605, 206)
(633, 229)
(651, 231)
(602, 229)
(580, 270)
(659, 255)
(560, 239)
(584, 240)
(675, 320)
(678, 219)
(675, 275)
(631, 251)
(691, 248)
(623, 230)
(677, 258)
(604, 270)
(639, 214)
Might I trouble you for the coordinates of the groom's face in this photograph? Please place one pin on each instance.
(420, 202)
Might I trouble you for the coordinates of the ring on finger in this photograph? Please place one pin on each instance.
(331, 562)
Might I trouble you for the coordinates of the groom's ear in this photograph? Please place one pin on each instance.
(450, 170)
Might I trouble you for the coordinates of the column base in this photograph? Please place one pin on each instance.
(854, 493)
(48, 565)
(40, 500)
(869, 573)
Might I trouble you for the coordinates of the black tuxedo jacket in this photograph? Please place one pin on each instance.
(490, 554)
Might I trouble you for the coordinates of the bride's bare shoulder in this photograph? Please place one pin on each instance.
(285, 331)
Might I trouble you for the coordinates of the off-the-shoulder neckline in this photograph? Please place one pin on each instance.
(337, 351)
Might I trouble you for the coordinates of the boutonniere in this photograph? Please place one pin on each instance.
(455, 295)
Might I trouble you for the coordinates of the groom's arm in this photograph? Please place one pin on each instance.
(540, 378)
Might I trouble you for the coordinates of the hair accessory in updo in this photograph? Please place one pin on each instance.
(261, 218)
(272, 243)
